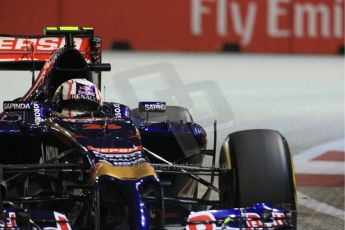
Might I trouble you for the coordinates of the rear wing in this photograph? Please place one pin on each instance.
(19, 52)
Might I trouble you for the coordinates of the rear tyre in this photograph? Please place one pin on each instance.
(258, 170)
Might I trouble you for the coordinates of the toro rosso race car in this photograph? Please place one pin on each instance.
(68, 160)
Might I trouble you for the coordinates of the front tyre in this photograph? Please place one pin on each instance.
(258, 169)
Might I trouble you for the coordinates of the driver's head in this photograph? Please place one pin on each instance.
(77, 96)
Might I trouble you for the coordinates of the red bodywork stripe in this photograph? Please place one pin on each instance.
(63, 223)
(44, 72)
(69, 95)
(69, 90)
(98, 126)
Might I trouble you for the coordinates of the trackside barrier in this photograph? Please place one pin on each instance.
(270, 26)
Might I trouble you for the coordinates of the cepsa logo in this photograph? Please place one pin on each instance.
(40, 44)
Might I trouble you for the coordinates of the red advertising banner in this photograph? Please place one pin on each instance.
(318, 26)
(278, 26)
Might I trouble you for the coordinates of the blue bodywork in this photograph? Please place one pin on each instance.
(92, 136)
(94, 169)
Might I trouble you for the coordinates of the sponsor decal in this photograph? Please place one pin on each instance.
(40, 44)
(10, 221)
(254, 220)
(259, 216)
(58, 221)
(16, 106)
(117, 111)
(84, 97)
(201, 219)
(48, 153)
(115, 150)
(152, 106)
(39, 48)
(278, 219)
(86, 90)
(62, 222)
(37, 114)
(121, 159)
(25, 106)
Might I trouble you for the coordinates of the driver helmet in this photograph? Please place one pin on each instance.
(76, 97)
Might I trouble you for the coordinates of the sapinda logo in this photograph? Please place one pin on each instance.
(307, 19)
(13, 106)
(157, 106)
(40, 44)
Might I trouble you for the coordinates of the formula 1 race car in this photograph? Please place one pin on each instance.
(112, 167)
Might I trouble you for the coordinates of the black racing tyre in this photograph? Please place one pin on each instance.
(258, 169)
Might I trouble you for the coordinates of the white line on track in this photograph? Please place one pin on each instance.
(303, 164)
(318, 206)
